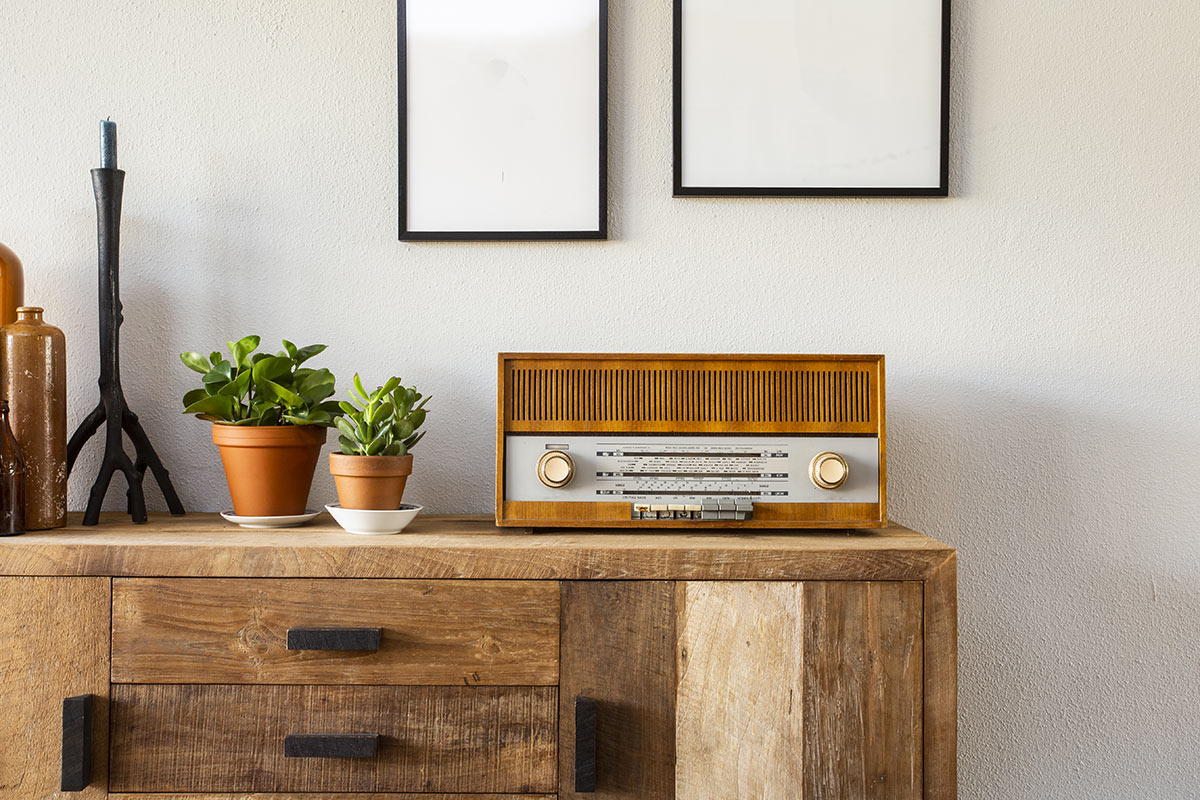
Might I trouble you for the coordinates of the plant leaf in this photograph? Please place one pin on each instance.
(193, 396)
(238, 386)
(279, 394)
(242, 348)
(347, 428)
(305, 353)
(358, 387)
(346, 407)
(222, 373)
(270, 369)
(315, 386)
(377, 444)
(217, 405)
(195, 361)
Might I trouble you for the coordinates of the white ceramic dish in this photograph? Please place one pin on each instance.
(289, 521)
(368, 522)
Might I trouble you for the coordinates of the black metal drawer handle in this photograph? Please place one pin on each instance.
(77, 743)
(585, 744)
(330, 745)
(333, 638)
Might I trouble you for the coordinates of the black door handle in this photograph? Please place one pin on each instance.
(585, 744)
(76, 743)
(333, 638)
(330, 745)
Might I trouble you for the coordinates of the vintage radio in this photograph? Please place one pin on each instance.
(695, 441)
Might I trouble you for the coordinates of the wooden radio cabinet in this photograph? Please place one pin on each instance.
(189, 660)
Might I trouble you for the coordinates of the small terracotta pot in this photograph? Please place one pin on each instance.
(269, 469)
(370, 482)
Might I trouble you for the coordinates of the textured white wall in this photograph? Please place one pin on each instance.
(1040, 326)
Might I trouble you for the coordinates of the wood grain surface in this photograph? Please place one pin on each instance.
(325, 796)
(440, 547)
(53, 645)
(773, 516)
(618, 648)
(862, 696)
(739, 725)
(434, 739)
(184, 630)
(941, 682)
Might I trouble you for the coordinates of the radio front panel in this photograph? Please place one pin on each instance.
(699, 441)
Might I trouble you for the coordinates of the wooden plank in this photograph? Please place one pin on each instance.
(767, 516)
(618, 649)
(739, 727)
(433, 739)
(201, 545)
(184, 630)
(941, 682)
(863, 673)
(326, 796)
(53, 645)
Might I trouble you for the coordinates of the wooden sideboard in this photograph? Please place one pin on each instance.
(459, 661)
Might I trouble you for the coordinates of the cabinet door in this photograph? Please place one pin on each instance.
(754, 690)
(53, 645)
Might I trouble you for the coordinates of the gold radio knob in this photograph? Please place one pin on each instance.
(555, 469)
(828, 470)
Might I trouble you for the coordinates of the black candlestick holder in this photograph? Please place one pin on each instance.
(113, 411)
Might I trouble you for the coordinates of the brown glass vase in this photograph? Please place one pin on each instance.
(33, 379)
(12, 285)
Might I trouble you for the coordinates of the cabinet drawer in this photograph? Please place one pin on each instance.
(205, 630)
(431, 739)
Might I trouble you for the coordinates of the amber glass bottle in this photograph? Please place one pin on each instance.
(12, 285)
(33, 381)
(12, 479)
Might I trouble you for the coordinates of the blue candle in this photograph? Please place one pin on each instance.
(108, 144)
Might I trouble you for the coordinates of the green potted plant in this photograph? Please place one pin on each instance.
(377, 432)
(270, 417)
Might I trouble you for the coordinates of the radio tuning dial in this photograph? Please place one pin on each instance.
(555, 469)
(828, 470)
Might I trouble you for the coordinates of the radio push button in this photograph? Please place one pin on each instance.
(828, 470)
(555, 469)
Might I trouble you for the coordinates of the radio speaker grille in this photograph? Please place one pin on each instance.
(773, 398)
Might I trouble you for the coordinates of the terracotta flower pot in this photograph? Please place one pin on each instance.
(269, 469)
(370, 482)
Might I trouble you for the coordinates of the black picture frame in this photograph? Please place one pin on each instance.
(680, 190)
(408, 235)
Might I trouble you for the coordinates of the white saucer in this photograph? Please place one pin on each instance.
(286, 521)
(372, 522)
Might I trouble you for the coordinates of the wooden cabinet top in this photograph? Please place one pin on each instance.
(465, 546)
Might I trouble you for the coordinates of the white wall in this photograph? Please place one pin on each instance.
(1040, 326)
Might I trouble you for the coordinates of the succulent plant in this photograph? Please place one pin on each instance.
(382, 423)
(248, 388)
